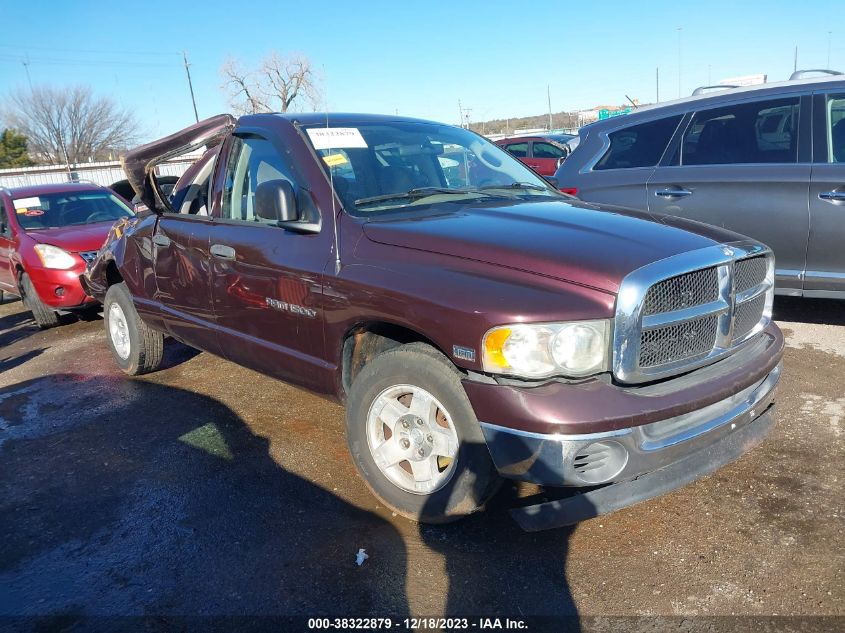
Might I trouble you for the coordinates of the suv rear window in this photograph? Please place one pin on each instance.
(639, 145)
(759, 132)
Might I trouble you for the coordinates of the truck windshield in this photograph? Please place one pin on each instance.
(70, 208)
(378, 167)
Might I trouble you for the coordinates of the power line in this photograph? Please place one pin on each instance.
(49, 61)
(89, 50)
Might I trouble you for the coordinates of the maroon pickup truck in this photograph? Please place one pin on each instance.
(477, 323)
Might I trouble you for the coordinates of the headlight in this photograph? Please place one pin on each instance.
(575, 349)
(54, 257)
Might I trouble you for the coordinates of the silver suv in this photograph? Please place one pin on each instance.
(767, 161)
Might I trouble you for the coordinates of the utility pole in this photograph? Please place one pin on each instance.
(190, 85)
(795, 63)
(26, 68)
(460, 114)
(549, 96)
(657, 84)
(64, 151)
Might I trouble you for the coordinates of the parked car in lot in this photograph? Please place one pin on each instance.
(47, 235)
(491, 328)
(542, 153)
(767, 161)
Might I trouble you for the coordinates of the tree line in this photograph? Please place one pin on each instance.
(50, 125)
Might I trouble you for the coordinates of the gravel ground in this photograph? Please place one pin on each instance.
(208, 489)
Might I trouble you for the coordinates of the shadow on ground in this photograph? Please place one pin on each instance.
(493, 567)
(16, 326)
(124, 497)
(803, 310)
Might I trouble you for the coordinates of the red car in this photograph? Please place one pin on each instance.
(48, 233)
(544, 154)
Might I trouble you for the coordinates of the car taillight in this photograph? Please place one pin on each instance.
(572, 191)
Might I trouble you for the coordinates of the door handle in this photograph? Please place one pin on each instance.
(833, 196)
(161, 240)
(672, 193)
(222, 251)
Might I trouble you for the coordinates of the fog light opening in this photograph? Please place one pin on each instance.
(600, 462)
(60, 291)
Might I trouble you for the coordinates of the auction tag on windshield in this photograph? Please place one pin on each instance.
(333, 160)
(25, 203)
(336, 137)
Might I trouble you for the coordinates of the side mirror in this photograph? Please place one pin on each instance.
(275, 201)
(552, 181)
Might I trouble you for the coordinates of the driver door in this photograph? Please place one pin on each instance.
(267, 281)
(182, 264)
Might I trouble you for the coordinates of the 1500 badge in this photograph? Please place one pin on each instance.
(291, 307)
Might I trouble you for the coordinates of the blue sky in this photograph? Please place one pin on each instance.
(417, 58)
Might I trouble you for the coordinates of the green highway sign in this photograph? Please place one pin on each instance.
(607, 114)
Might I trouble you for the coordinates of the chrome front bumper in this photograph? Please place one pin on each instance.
(622, 455)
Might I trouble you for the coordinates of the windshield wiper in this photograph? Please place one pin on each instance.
(517, 185)
(413, 194)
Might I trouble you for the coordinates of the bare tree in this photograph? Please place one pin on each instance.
(70, 125)
(278, 84)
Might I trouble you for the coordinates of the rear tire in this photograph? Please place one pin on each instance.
(43, 314)
(433, 463)
(136, 348)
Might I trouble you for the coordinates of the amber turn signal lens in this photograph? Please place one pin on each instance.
(493, 345)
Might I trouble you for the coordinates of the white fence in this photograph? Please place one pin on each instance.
(105, 173)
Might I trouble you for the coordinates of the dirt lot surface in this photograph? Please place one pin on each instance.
(208, 489)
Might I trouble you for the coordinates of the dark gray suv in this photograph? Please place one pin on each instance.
(767, 161)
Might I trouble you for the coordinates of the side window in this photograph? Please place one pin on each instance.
(5, 229)
(547, 150)
(639, 145)
(520, 150)
(252, 160)
(759, 132)
(835, 111)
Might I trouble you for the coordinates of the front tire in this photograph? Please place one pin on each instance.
(414, 436)
(136, 348)
(45, 317)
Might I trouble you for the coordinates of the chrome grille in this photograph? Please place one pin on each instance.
(668, 321)
(749, 273)
(684, 341)
(682, 291)
(88, 256)
(748, 315)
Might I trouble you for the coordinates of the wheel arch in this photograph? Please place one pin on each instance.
(367, 339)
(112, 274)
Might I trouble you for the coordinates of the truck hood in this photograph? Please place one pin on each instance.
(572, 241)
(88, 237)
